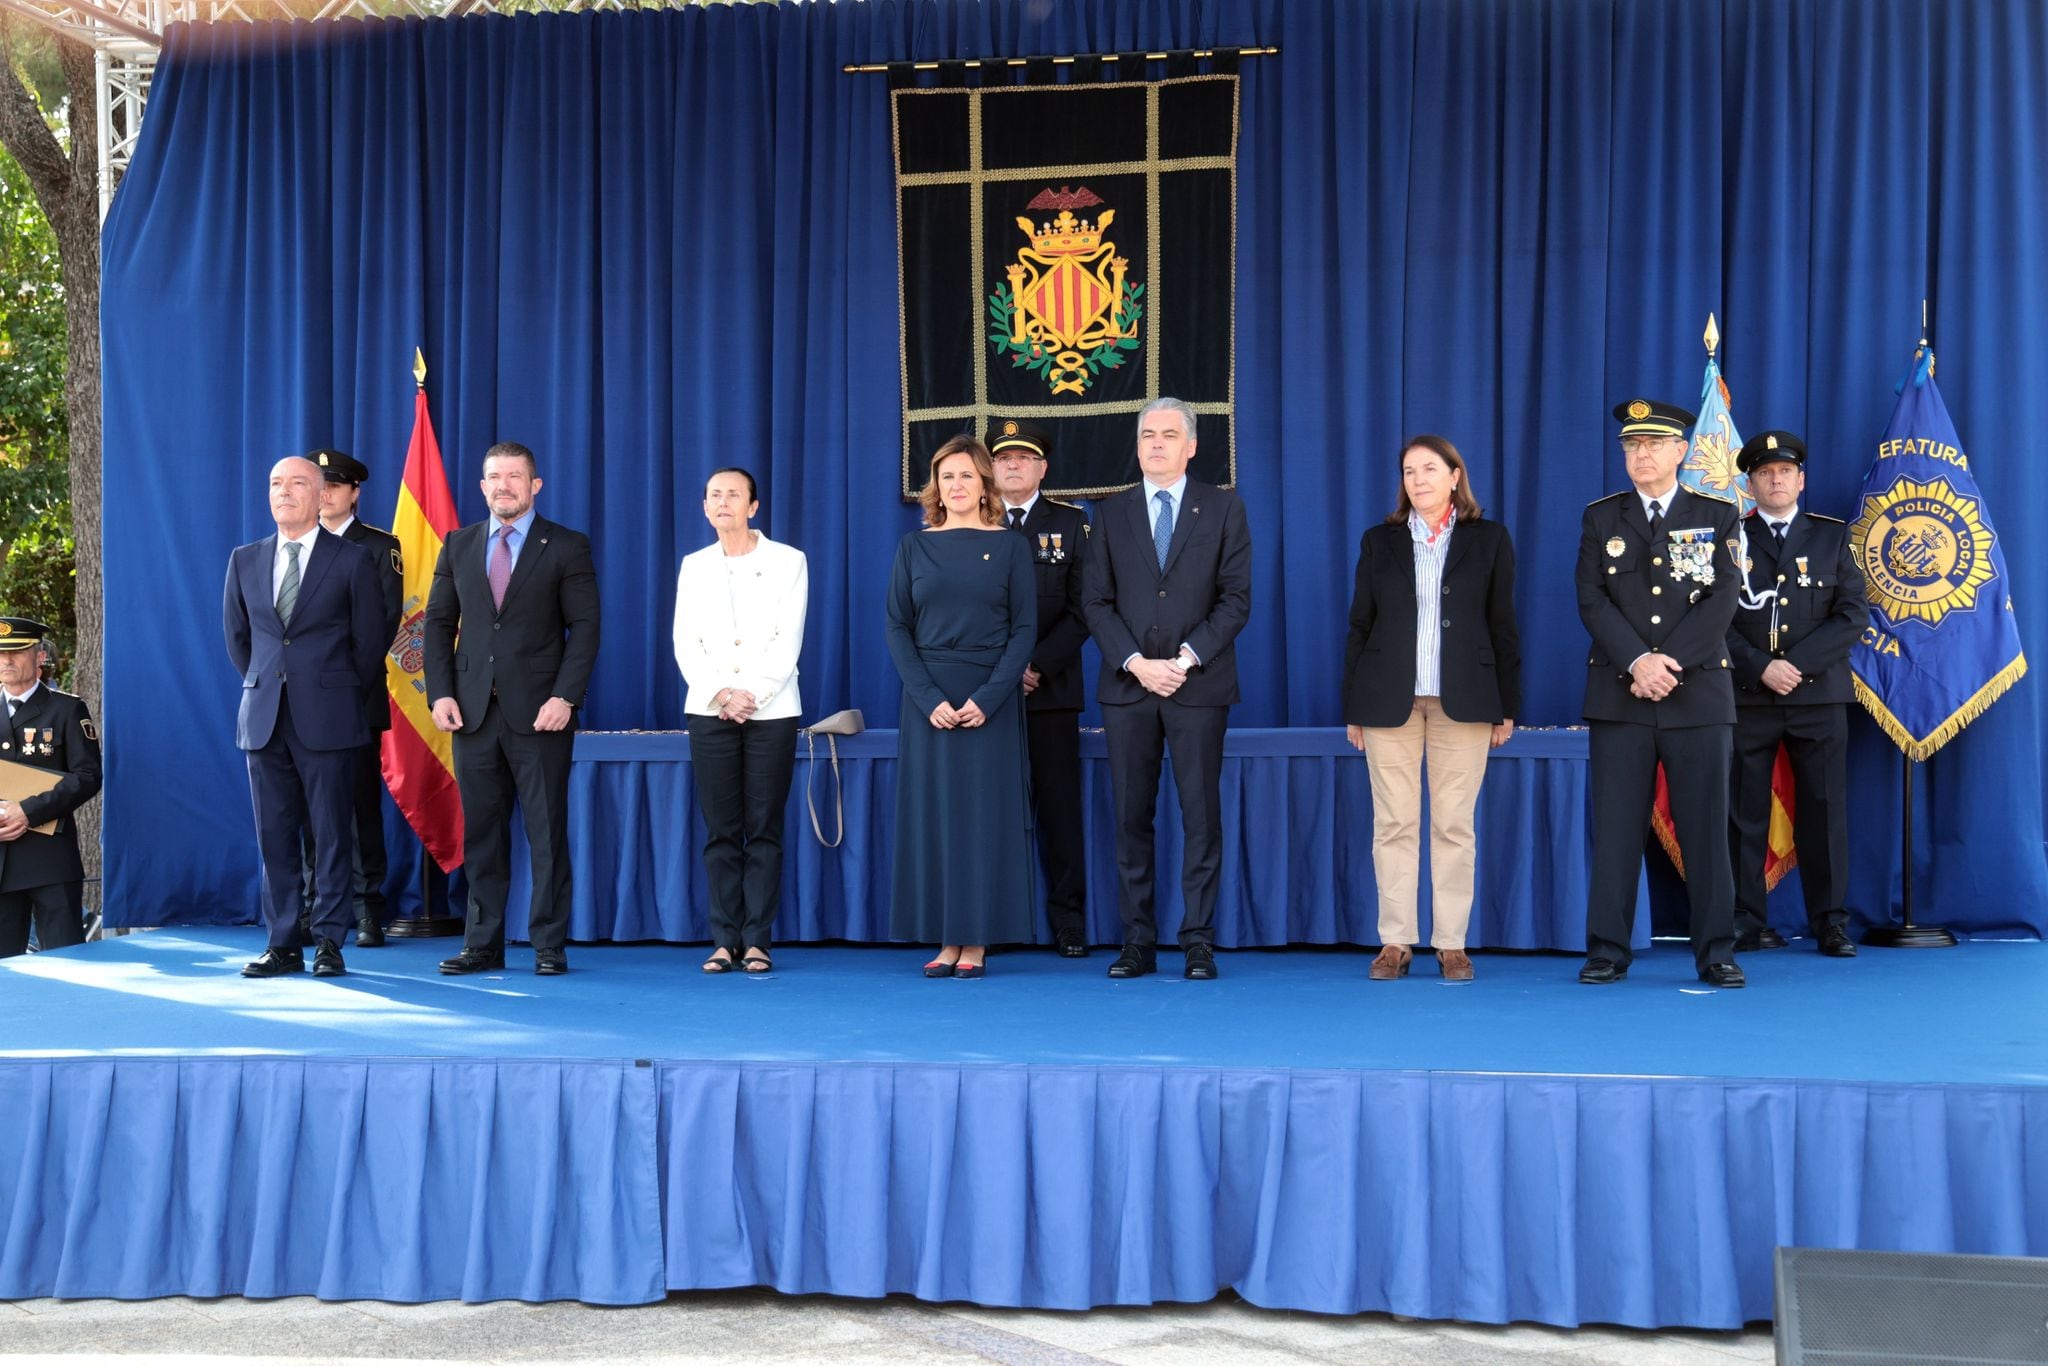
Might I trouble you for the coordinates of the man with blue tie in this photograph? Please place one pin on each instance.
(304, 620)
(1165, 592)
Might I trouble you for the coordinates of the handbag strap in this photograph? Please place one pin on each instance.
(838, 789)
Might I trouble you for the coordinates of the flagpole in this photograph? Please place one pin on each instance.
(1905, 934)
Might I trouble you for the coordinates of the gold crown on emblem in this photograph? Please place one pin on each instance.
(1009, 429)
(1067, 235)
(5, 629)
(1638, 410)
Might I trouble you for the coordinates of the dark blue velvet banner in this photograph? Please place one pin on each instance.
(649, 244)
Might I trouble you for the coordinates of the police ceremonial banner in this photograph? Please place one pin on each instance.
(1942, 644)
(1067, 252)
(1709, 468)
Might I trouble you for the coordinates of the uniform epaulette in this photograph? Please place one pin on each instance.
(1712, 497)
(1062, 503)
(1609, 497)
(1819, 517)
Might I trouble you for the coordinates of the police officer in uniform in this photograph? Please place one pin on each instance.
(1058, 533)
(340, 492)
(1790, 658)
(41, 876)
(1657, 578)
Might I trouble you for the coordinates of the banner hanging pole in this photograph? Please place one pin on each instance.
(974, 63)
(1906, 934)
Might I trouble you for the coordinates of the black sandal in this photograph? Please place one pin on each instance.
(714, 964)
(757, 966)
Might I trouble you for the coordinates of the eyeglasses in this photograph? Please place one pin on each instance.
(1631, 444)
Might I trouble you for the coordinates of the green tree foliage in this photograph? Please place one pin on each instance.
(36, 565)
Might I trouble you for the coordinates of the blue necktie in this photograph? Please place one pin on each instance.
(1162, 529)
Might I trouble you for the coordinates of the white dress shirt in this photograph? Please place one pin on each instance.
(1662, 500)
(740, 624)
(279, 559)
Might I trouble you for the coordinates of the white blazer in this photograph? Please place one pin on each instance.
(742, 629)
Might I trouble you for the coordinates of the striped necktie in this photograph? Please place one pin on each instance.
(288, 591)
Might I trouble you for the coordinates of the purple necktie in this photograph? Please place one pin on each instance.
(501, 566)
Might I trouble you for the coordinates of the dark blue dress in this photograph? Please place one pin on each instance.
(963, 616)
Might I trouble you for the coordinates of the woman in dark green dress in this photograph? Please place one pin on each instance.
(963, 615)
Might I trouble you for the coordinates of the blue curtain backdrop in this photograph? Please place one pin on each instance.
(649, 244)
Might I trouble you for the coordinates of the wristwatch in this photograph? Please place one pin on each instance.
(1180, 663)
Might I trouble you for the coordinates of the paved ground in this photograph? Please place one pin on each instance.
(757, 1326)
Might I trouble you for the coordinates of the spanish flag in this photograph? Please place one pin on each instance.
(419, 766)
(1709, 468)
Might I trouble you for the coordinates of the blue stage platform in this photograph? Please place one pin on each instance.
(1517, 1148)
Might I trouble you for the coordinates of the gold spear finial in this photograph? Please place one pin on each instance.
(419, 367)
(1713, 336)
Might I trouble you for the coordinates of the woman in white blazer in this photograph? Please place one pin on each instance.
(739, 628)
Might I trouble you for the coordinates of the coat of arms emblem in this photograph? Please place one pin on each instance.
(1067, 312)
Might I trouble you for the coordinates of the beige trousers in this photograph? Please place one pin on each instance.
(1457, 762)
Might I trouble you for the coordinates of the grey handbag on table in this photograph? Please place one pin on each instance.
(848, 722)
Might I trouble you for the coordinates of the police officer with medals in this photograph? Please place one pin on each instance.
(41, 875)
(1789, 652)
(1058, 533)
(1657, 577)
(341, 489)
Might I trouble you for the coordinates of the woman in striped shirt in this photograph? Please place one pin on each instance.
(1433, 666)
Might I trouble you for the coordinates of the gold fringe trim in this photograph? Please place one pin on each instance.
(1917, 748)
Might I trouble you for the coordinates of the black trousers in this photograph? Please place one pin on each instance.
(1624, 782)
(293, 789)
(1140, 734)
(371, 862)
(57, 909)
(1816, 740)
(742, 770)
(493, 765)
(1055, 743)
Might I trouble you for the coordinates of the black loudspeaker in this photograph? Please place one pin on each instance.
(1838, 1308)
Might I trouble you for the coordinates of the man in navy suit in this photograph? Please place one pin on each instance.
(304, 620)
(1165, 591)
(511, 638)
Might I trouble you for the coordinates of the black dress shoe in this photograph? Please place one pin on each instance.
(327, 960)
(1836, 943)
(1723, 975)
(1765, 938)
(1201, 964)
(1599, 972)
(550, 962)
(276, 962)
(1132, 962)
(369, 934)
(473, 960)
(1072, 944)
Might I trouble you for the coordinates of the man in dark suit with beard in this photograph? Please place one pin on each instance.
(1058, 535)
(304, 621)
(1166, 587)
(1791, 663)
(511, 637)
(1657, 577)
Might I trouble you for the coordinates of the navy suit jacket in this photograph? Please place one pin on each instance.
(1202, 598)
(331, 655)
(542, 643)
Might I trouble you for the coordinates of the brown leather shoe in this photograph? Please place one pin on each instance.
(1392, 963)
(1454, 965)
